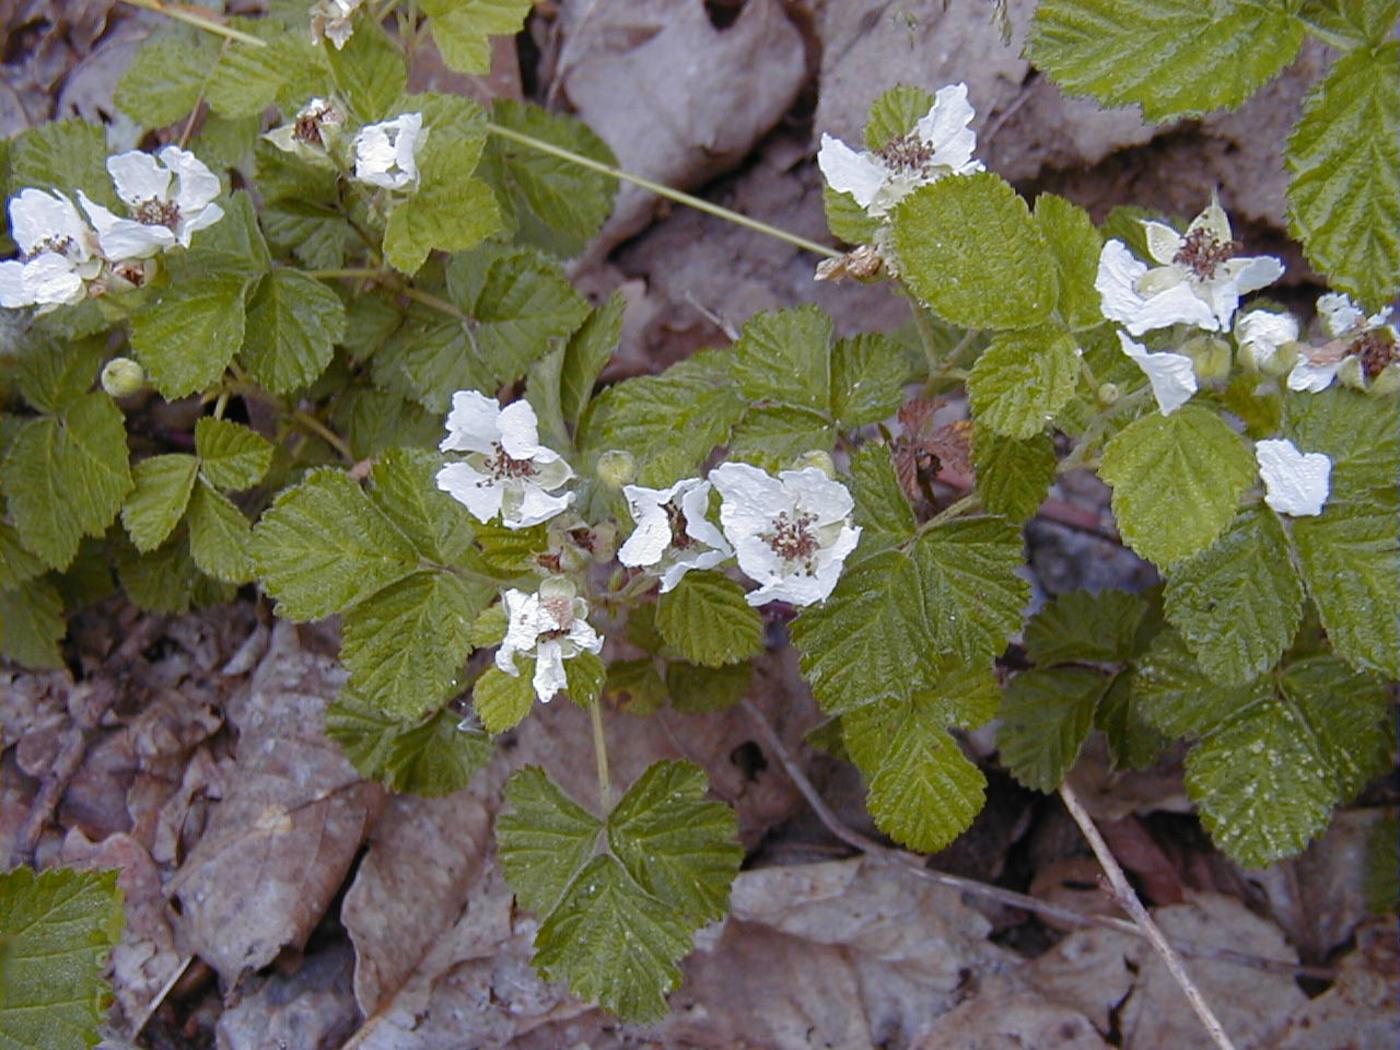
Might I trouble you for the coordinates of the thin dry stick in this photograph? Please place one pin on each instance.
(1128, 898)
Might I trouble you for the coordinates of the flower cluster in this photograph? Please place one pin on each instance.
(334, 20)
(549, 626)
(64, 256)
(385, 154)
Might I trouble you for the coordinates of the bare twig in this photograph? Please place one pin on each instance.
(1126, 897)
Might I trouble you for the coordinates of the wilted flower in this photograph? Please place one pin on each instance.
(552, 627)
(507, 471)
(169, 196)
(1295, 482)
(1265, 340)
(672, 533)
(334, 20)
(1362, 351)
(58, 252)
(1173, 376)
(1199, 279)
(386, 154)
(791, 533)
(940, 144)
(308, 135)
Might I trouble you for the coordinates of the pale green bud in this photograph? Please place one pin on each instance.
(122, 377)
(557, 587)
(616, 468)
(1108, 394)
(818, 459)
(1209, 356)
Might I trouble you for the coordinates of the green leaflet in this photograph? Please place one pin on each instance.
(700, 690)
(544, 839)
(1075, 244)
(51, 377)
(584, 676)
(402, 486)
(187, 336)
(968, 247)
(881, 508)
(501, 700)
(1023, 379)
(846, 219)
(635, 686)
(589, 350)
(1343, 160)
(17, 565)
(1346, 23)
(973, 591)
(1173, 57)
(231, 455)
(368, 72)
(868, 374)
(432, 757)
(31, 626)
(1357, 432)
(707, 621)
(1177, 481)
(167, 581)
(161, 491)
(293, 324)
(461, 27)
(894, 113)
(772, 436)
(219, 536)
(784, 356)
(1013, 477)
(1046, 715)
(233, 247)
(164, 81)
(1080, 626)
(66, 155)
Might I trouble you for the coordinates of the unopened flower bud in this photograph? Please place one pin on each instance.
(616, 468)
(557, 587)
(818, 459)
(122, 377)
(1108, 394)
(1210, 357)
(604, 542)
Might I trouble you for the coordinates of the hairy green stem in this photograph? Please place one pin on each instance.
(600, 753)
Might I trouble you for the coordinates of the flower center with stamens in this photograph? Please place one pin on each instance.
(1202, 252)
(675, 517)
(909, 154)
(1375, 350)
(56, 245)
(792, 539)
(561, 611)
(156, 212)
(308, 127)
(502, 465)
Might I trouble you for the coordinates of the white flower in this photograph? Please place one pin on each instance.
(551, 627)
(1294, 482)
(386, 153)
(307, 135)
(507, 471)
(1198, 279)
(58, 252)
(1360, 351)
(170, 196)
(792, 533)
(672, 531)
(1173, 376)
(333, 20)
(940, 144)
(1262, 336)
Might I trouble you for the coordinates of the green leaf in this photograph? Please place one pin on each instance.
(406, 646)
(66, 477)
(973, 590)
(1046, 715)
(882, 509)
(374, 420)
(1343, 162)
(1350, 560)
(1013, 477)
(1087, 627)
(294, 323)
(248, 78)
(702, 690)
(635, 686)
(846, 219)
(162, 487)
(187, 336)
(1177, 697)
(17, 564)
(231, 455)
(678, 847)
(772, 436)
(219, 536)
(543, 840)
(706, 619)
(1346, 23)
(1023, 379)
(431, 758)
(227, 142)
(31, 626)
(232, 247)
(57, 928)
(542, 383)
(402, 486)
(502, 701)
(64, 155)
(461, 27)
(323, 547)
(51, 377)
(1173, 57)
(589, 350)
(1176, 480)
(510, 552)
(167, 581)
(1356, 431)
(1132, 741)
(1238, 603)
(968, 247)
(894, 113)
(369, 71)
(868, 374)
(784, 356)
(164, 81)
(584, 676)
(1075, 244)
(448, 217)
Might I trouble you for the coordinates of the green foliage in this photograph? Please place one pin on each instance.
(589, 349)
(57, 928)
(501, 700)
(31, 624)
(293, 325)
(1175, 58)
(1082, 626)
(1013, 477)
(706, 620)
(1046, 715)
(1075, 244)
(187, 336)
(432, 757)
(1022, 380)
(973, 590)
(66, 155)
(460, 29)
(584, 676)
(368, 72)
(161, 491)
(219, 535)
(894, 113)
(882, 510)
(701, 690)
(1346, 23)
(231, 455)
(1176, 480)
(1343, 161)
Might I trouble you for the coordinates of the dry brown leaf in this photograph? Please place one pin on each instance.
(311, 1009)
(1360, 1011)
(1002, 1017)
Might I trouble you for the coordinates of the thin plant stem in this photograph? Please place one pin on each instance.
(433, 302)
(200, 21)
(600, 754)
(221, 404)
(307, 421)
(956, 509)
(353, 271)
(1123, 892)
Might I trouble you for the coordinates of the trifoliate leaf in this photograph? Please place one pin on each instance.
(17, 565)
(406, 646)
(219, 536)
(293, 324)
(1013, 477)
(402, 487)
(1046, 715)
(702, 690)
(369, 71)
(1086, 627)
(161, 492)
(319, 239)
(1343, 160)
(431, 758)
(894, 113)
(51, 377)
(64, 155)
(231, 455)
(57, 928)
(882, 509)
(501, 700)
(1173, 57)
(461, 29)
(1357, 432)
(447, 216)
(870, 639)
(323, 547)
(1075, 244)
(868, 374)
(1350, 560)
(923, 791)
(374, 420)
(1023, 379)
(635, 686)
(584, 676)
(707, 621)
(66, 477)
(165, 79)
(1238, 603)
(1176, 480)
(588, 351)
(187, 336)
(31, 626)
(772, 436)
(678, 847)
(784, 356)
(1180, 699)
(968, 247)
(544, 839)
(973, 591)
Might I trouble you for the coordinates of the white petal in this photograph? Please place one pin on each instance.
(695, 505)
(206, 217)
(1260, 333)
(196, 186)
(1339, 314)
(12, 291)
(584, 636)
(409, 141)
(757, 560)
(1295, 482)
(477, 492)
(535, 506)
(706, 559)
(522, 628)
(520, 434)
(549, 671)
(1311, 378)
(1251, 274)
(126, 238)
(37, 217)
(748, 492)
(1116, 282)
(1163, 242)
(138, 177)
(1172, 376)
(50, 280)
(945, 128)
(652, 534)
(473, 425)
(818, 494)
(847, 171)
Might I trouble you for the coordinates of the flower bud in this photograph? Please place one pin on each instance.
(1209, 356)
(1352, 374)
(557, 587)
(122, 377)
(1108, 394)
(616, 468)
(604, 542)
(818, 459)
